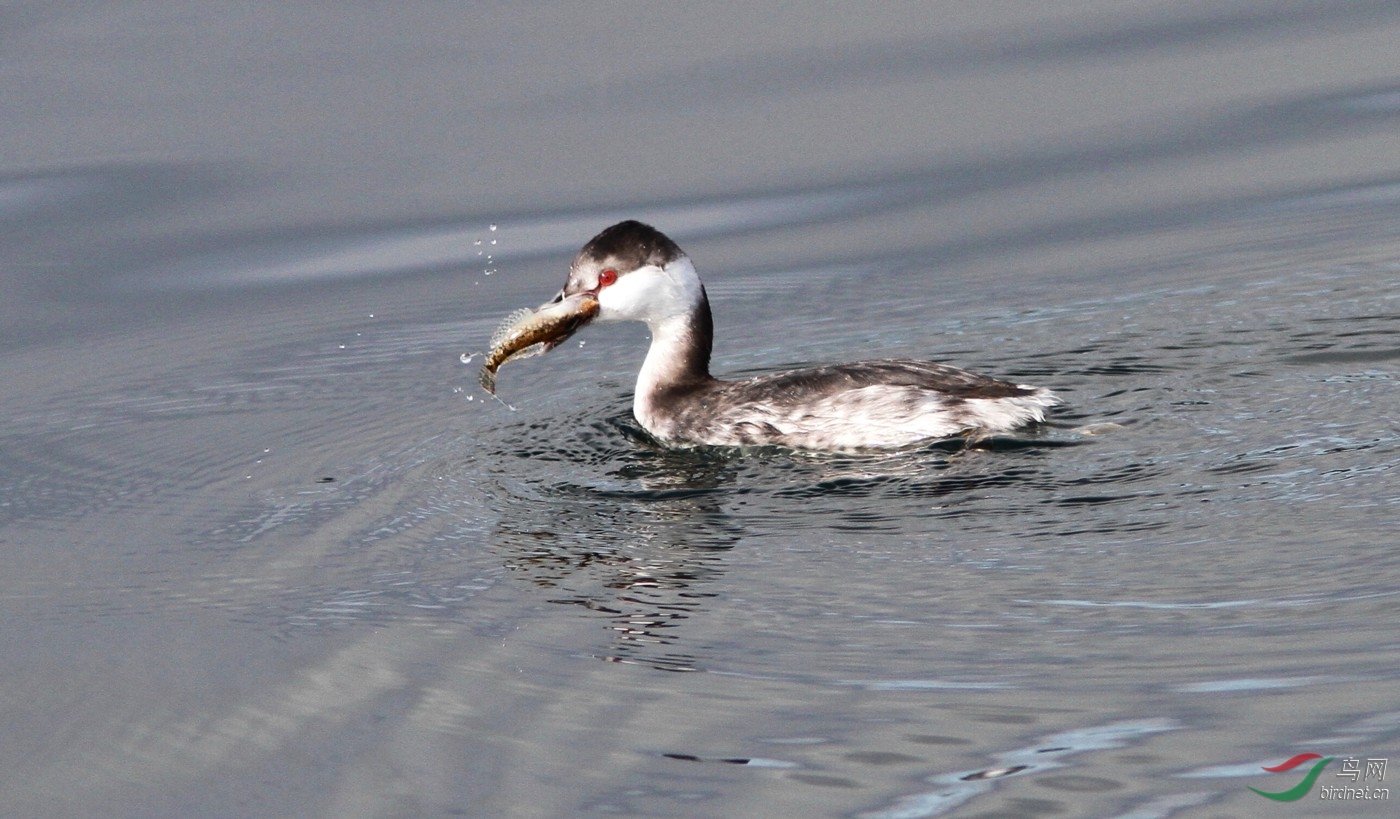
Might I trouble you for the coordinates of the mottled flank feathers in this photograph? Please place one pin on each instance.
(870, 404)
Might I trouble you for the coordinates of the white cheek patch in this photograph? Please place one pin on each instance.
(651, 294)
(627, 297)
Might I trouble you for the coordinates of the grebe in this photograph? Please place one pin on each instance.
(632, 271)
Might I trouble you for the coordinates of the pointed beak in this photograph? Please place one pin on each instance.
(578, 307)
(567, 294)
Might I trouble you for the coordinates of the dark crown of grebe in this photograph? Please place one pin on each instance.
(639, 274)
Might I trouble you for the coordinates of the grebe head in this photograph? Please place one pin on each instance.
(637, 273)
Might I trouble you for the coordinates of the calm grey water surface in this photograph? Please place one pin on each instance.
(268, 550)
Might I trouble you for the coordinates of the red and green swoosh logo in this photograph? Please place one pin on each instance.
(1300, 790)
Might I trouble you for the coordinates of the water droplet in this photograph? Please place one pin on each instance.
(493, 241)
(493, 228)
(466, 358)
(477, 243)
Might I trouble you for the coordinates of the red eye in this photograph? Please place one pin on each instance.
(607, 277)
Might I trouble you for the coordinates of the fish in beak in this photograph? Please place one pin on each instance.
(526, 333)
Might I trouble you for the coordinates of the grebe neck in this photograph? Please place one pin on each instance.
(679, 356)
